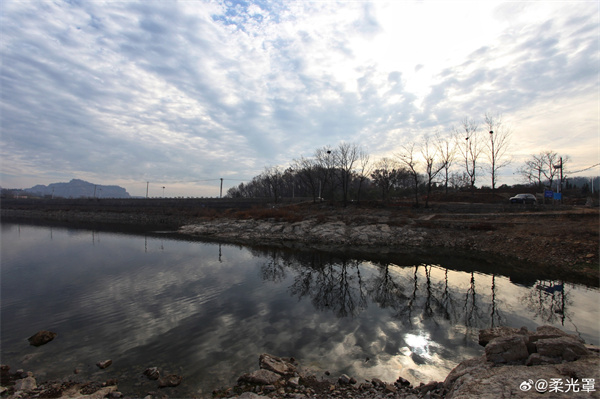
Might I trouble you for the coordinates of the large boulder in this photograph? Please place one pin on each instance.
(511, 349)
(515, 367)
(562, 347)
(489, 334)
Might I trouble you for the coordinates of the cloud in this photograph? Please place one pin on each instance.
(188, 91)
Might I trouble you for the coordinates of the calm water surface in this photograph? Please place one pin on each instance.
(206, 311)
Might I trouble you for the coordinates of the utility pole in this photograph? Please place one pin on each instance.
(147, 184)
(221, 191)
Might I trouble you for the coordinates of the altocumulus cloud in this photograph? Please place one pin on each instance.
(128, 92)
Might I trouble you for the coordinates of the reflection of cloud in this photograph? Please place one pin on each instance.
(181, 306)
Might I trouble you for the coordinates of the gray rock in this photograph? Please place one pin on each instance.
(563, 347)
(260, 377)
(171, 380)
(104, 364)
(152, 373)
(294, 382)
(42, 337)
(482, 378)
(511, 349)
(377, 383)
(485, 336)
(536, 359)
(344, 379)
(251, 395)
(25, 384)
(276, 364)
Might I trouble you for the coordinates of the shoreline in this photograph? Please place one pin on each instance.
(557, 244)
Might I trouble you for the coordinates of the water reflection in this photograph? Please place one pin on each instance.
(344, 285)
(206, 310)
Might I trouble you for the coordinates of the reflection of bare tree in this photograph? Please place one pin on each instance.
(446, 302)
(333, 286)
(549, 301)
(471, 306)
(337, 284)
(494, 312)
(385, 291)
(274, 268)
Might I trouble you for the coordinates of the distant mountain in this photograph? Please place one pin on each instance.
(79, 188)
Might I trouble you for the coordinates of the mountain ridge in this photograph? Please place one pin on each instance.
(78, 188)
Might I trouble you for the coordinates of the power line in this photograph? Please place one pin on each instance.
(583, 170)
(198, 181)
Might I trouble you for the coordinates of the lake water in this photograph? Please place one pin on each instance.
(206, 311)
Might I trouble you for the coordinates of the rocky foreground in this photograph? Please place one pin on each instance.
(517, 363)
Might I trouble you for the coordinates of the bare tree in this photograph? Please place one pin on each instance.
(447, 151)
(325, 163)
(273, 177)
(386, 175)
(307, 171)
(544, 168)
(470, 149)
(408, 158)
(346, 155)
(363, 170)
(433, 165)
(497, 145)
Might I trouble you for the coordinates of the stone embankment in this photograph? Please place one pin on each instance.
(309, 231)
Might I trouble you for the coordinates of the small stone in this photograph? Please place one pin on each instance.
(377, 383)
(344, 379)
(402, 382)
(269, 388)
(389, 388)
(42, 337)
(104, 364)
(294, 382)
(152, 373)
(170, 380)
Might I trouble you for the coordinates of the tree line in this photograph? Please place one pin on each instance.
(455, 160)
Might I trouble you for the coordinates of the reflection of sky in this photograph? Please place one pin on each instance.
(172, 304)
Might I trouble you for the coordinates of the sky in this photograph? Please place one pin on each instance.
(179, 94)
